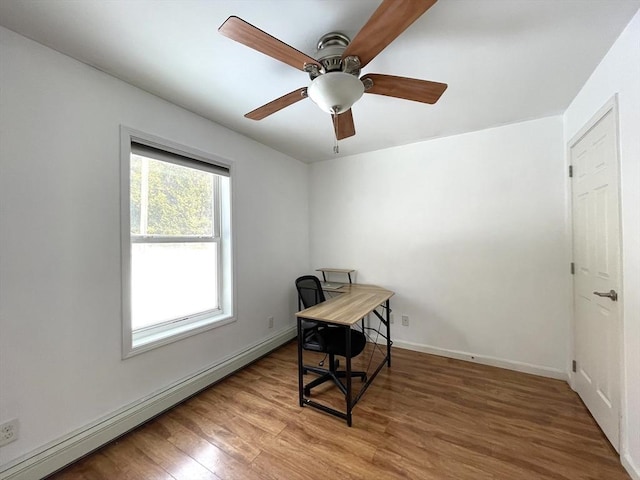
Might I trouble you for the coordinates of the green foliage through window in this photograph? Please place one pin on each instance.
(178, 200)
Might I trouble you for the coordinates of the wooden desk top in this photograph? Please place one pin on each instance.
(354, 302)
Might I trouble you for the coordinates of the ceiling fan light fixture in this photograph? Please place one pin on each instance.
(335, 92)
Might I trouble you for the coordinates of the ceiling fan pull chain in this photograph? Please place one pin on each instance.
(336, 149)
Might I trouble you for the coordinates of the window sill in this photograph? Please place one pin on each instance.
(145, 341)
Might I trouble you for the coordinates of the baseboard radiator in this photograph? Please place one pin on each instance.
(65, 450)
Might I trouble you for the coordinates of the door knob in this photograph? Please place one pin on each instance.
(610, 294)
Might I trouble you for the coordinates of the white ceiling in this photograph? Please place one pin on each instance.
(504, 60)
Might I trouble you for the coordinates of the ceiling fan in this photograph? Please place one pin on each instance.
(334, 73)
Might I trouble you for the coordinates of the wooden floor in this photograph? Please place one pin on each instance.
(427, 417)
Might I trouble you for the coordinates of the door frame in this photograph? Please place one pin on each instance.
(610, 105)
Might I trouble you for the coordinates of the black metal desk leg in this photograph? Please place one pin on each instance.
(348, 354)
(388, 309)
(300, 366)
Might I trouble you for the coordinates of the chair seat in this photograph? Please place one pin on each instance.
(335, 342)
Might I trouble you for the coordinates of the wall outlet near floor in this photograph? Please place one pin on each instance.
(405, 320)
(270, 321)
(9, 431)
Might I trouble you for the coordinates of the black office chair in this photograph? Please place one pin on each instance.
(318, 337)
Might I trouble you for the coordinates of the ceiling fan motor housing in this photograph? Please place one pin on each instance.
(330, 47)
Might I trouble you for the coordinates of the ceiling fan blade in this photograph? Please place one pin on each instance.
(390, 19)
(242, 32)
(408, 88)
(343, 125)
(277, 104)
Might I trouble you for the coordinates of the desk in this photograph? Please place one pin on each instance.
(353, 303)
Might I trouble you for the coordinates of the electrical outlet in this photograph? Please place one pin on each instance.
(270, 320)
(391, 318)
(9, 432)
(405, 320)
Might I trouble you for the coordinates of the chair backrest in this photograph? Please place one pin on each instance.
(309, 290)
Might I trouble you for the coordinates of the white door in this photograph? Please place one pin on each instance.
(596, 251)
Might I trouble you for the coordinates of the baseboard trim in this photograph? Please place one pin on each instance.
(57, 454)
(630, 467)
(485, 360)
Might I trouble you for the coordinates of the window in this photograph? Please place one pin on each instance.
(176, 243)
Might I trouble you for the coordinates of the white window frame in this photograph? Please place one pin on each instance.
(147, 338)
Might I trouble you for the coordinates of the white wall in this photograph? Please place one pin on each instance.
(619, 73)
(60, 330)
(469, 231)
